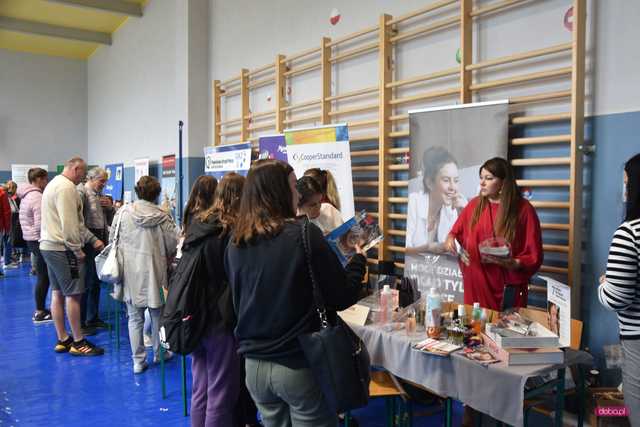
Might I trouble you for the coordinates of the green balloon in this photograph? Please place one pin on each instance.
(458, 55)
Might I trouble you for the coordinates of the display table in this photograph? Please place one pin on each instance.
(496, 390)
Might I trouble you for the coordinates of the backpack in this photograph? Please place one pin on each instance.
(186, 313)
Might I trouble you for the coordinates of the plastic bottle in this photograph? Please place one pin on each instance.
(432, 313)
(476, 318)
(462, 315)
(385, 305)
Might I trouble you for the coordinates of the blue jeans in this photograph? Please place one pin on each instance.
(7, 248)
(287, 397)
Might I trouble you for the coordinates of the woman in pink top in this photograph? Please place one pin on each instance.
(30, 208)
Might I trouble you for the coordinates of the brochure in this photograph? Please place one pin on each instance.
(559, 310)
(435, 347)
(480, 354)
(362, 230)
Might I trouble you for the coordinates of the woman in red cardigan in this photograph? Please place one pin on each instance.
(498, 212)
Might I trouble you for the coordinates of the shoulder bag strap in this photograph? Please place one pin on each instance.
(317, 294)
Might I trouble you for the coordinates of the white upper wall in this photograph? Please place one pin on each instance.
(43, 109)
(249, 33)
(137, 87)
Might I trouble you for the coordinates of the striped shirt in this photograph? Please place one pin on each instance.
(621, 290)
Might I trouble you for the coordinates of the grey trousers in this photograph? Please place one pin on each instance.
(287, 397)
(631, 379)
(136, 326)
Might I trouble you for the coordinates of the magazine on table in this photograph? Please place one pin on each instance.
(435, 347)
(480, 354)
(559, 310)
(362, 230)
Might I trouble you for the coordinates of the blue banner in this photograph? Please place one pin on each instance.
(115, 177)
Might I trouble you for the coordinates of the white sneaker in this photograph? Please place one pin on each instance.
(148, 341)
(138, 369)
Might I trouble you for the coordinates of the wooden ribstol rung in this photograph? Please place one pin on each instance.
(537, 140)
(399, 117)
(303, 69)
(365, 183)
(230, 132)
(399, 249)
(302, 119)
(543, 182)
(302, 54)
(439, 25)
(364, 153)
(370, 47)
(348, 37)
(364, 168)
(398, 183)
(352, 110)
(525, 78)
(425, 77)
(270, 125)
(234, 121)
(431, 7)
(543, 161)
(362, 123)
(399, 134)
(556, 248)
(365, 199)
(399, 200)
(541, 97)
(260, 115)
(399, 150)
(361, 138)
(549, 205)
(495, 7)
(544, 118)
(260, 70)
(520, 56)
(424, 96)
(400, 233)
(301, 105)
(354, 93)
(393, 215)
(553, 269)
(263, 82)
(400, 167)
(551, 226)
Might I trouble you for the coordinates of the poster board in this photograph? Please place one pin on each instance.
(324, 147)
(115, 178)
(140, 169)
(445, 158)
(272, 147)
(19, 173)
(168, 184)
(222, 159)
(559, 310)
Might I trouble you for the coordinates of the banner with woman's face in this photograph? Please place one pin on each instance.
(448, 145)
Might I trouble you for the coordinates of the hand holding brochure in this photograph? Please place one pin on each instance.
(361, 230)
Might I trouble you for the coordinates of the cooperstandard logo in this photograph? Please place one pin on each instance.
(317, 156)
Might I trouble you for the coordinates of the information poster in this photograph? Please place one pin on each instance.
(114, 186)
(273, 147)
(448, 146)
(168, 184)
(140, 168)
(559, 310)
(325, 147)
(19, 173)
(222, 159)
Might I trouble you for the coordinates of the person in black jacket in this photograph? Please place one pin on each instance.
(215, 363)
(273, 299)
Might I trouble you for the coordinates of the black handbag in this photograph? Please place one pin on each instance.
(337, 357)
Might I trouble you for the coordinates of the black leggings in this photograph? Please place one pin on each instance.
(42, 285)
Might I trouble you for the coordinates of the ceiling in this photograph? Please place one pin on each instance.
(65, 28)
